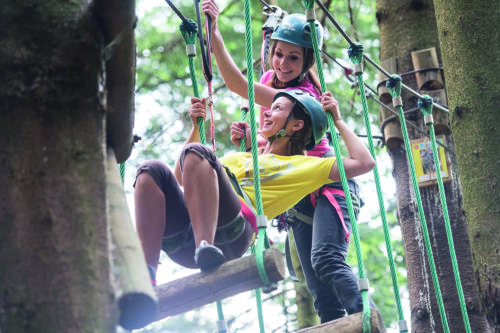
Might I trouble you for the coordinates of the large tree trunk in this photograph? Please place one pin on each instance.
(405, 26)
(54, 274)
(468, 32)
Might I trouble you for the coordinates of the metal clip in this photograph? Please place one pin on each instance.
(275, 14)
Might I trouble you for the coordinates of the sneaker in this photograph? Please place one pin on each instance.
(152, 275)
(208, 257)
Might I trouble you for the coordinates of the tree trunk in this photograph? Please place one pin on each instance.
(468, 32)
(306, 314)
(407, 26)
(54, 274)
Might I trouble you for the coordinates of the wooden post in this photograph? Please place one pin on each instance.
(117, 19)
(231, 278)
(427, 79)
(135, 294)
(349, 324)
(392, 129)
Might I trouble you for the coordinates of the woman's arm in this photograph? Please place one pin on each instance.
(235, 81)
(360, 160)
(196, 109)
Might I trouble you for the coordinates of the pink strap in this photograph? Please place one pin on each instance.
(329, 194)
(249, 215)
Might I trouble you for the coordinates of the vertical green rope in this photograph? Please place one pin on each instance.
(394, 86)
(262, 240)
(189, 33)
(258, 300)
(355, 53)
(243, 146)
(221, 323)
(425, 105)
(309, 5)
(122, 172)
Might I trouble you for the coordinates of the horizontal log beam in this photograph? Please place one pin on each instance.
(349, 324)
(231, 278)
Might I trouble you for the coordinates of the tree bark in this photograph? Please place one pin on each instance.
(54, 274)
(306, 314)
(407, 26)
(468, 33)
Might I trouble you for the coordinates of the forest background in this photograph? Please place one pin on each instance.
(163, 89)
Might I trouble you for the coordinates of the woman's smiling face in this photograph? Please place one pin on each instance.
(275, 117)
(287, 61)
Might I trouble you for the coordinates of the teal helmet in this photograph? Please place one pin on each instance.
(296, 30)
(313, 109)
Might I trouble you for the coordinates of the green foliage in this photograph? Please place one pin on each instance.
(162, 98)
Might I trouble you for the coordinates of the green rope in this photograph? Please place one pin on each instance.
(394, 86)
(309, 5)
(189, 30)
(258, 299)
(221, 324)
(355, 53)
(425, 105)
(262, 241)
(122, 172)
(243, 146)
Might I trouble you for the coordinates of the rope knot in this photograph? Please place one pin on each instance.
(189, 31)
(394, 84)
(308, 4)
(355, 53)
(425, 104)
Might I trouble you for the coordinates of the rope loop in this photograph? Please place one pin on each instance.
(394, 84)
(189, 31)
(425, 104)
(355, 53)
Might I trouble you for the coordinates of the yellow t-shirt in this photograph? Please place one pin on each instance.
(284, 179)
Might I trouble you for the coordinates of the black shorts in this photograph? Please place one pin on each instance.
(234, 232)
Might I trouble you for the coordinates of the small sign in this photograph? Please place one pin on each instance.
(423, 158)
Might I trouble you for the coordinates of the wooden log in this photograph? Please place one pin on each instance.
(133, 288)
(429, 78)
(390, 65)
(441, 119)
(349, 324)
(231, 278)
(117, 19)
(392, 128)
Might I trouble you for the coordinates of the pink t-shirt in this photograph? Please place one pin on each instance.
(322, 147)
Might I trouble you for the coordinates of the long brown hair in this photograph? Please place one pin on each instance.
(307, 69)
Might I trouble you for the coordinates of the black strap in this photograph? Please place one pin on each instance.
(206, 67)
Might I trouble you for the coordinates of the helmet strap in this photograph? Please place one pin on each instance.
(282, 132)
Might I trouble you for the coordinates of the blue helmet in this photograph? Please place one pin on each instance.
(296, 30)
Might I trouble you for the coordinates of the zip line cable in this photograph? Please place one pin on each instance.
(385, 106)
(367, 58)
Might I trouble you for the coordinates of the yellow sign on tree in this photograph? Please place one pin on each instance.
(423, 158)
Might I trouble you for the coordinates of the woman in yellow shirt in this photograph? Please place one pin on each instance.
(207, 223)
